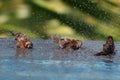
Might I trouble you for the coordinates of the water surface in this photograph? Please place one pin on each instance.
(46, 61)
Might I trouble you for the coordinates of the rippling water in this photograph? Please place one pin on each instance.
(48, 62)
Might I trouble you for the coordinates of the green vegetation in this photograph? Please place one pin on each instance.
(80, 19)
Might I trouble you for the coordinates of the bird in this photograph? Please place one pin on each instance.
(22, 40)
(67, 43)
(108, 47)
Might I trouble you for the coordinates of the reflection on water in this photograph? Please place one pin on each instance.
(47, 62)
(22, 52)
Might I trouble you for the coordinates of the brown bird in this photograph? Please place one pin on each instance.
(108, 47)
(67, 43)
(22, 40)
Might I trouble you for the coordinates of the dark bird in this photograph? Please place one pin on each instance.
(108, 47)
(22, 40)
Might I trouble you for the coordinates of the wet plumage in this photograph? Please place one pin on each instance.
(67, 43)
(108, 47)
(22, 40)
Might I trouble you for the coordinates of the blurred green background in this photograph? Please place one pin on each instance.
(79, 19)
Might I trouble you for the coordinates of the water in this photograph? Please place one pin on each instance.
(48, 62)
